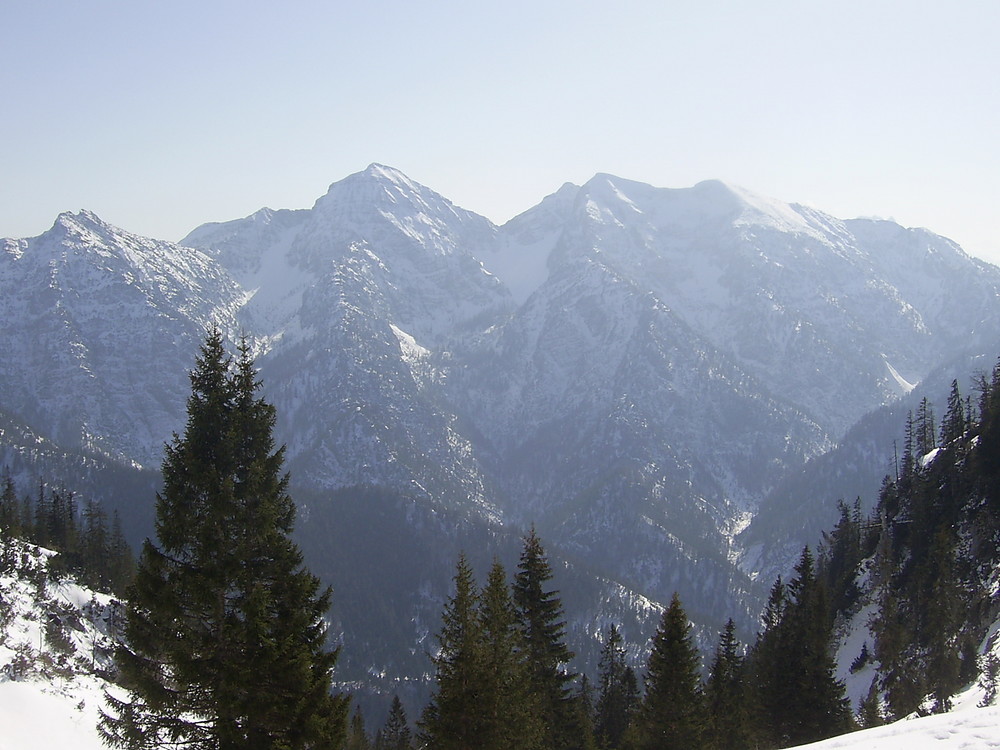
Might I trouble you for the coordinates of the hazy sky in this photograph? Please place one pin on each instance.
(163, 115)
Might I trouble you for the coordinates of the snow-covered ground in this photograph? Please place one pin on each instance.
(969, 729)
(34, 715)
(52, 635)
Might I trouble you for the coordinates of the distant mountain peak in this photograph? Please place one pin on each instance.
(81, 221)
(386, 173)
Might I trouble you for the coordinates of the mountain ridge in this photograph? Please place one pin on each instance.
(632, 368)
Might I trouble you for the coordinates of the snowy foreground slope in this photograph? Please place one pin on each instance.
(972, 729)
(37, 715)
(53, 637)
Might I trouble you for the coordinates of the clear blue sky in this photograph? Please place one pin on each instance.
(160, 116)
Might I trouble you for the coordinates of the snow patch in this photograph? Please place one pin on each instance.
(904, 384)
(408, 346)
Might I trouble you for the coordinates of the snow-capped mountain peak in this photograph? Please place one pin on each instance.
(406, 211)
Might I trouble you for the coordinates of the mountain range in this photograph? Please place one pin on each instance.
(642, 374)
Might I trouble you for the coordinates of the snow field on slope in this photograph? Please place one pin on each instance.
(52, 702)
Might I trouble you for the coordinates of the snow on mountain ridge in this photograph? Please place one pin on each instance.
(415, 211)
(520, 258)
(91, 317)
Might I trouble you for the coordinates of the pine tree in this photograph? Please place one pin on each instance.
(95, 547)
(617, 697)
(395, 735)
(817, 707)
(840, 558)
(225, 638)
(765, 671)
(121, 558)
(954, 424)
(725, 701)
(453, 718)
(507, 705)
(586, 711)
(941, 618)
(10, 509)
(357, 736)
(671, 714)
(540, 615)
(10, 523)
(926, 433)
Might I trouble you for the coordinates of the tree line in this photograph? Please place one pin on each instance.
(502, 679)
(932, 546)
(925, 557)
(91, 546)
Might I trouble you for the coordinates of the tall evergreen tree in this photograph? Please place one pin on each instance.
(618, 693)
(120, 554)
(508, 707)
(926, 432)
(765, 671)
(453, 718)
(728, 726)
(540, 614)
(841, 555)
(95, 546)
(954, 424)
(395, 735)
(10, 508)
(225, 639)
(584, 702)
(817, 707)
(671, 714)
(357, 736)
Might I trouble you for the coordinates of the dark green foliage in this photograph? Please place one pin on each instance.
(357, 736)
(924, 431)
(484, 697)
(540, 616)
(584, 703)
(841, 553)
(395, 735)
(508, 706)
(671, 714)
(955, 419)
(869, 712)
(225, 638)
(453, 718)
(764, 665)
(619, 693)
(862, 659)
(793, 672)
(938, 534)
(818, 708)
(988, 680)
(97, 556)
(10, 508)
(728, 726)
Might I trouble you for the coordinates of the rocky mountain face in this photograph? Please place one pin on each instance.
(631, 369)
(95, 323)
